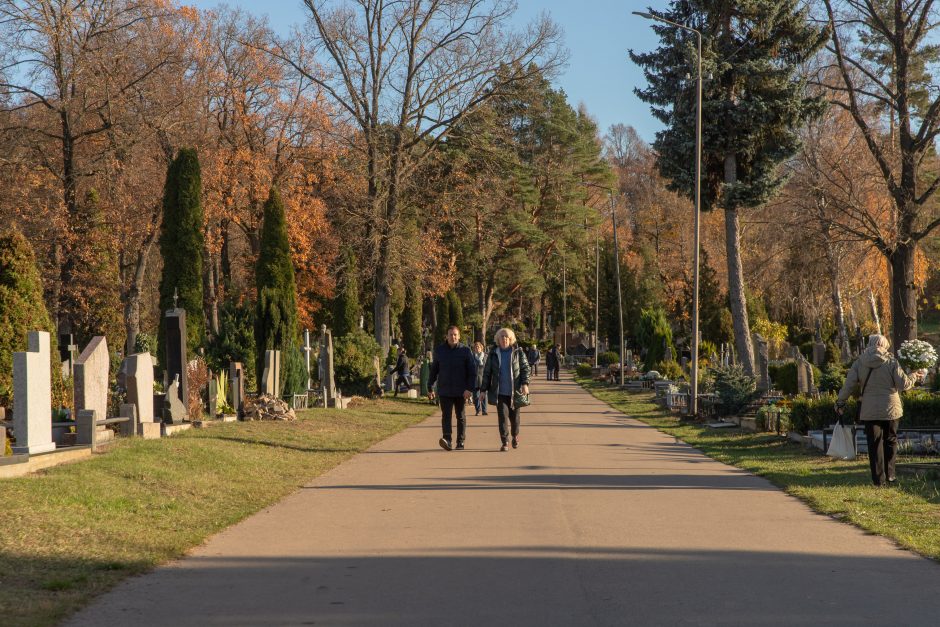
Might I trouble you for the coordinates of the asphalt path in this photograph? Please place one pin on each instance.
(596, 519)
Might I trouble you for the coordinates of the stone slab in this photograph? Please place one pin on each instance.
(46, 460)
(90, 383)
(32, 389)
(150, 430)
(169, 430)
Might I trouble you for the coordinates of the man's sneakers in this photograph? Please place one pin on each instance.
(459, 446)
(515, 441)
(445, 444)
(504, 447)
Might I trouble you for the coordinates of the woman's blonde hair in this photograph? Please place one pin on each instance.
(508, 333)
(878, 342)
(478, 345)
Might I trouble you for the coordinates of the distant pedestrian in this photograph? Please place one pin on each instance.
(534, 357)
(455, 371)
(401, 370)
(553, 363)
(479, 398)
(877, 378)
(506, 371)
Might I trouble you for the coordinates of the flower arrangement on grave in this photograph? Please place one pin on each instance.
(916, 355)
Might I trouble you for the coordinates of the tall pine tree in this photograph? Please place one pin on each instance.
(411, 320)
(276, 317)
(346, 309)
(181, 246)
(753, 106)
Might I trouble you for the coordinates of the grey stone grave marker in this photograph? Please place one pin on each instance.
(90, 385)
(327, 375)
(271, 378)
(138, 380)
(236, 375)
(174, 411)
(32, 393)
(176, 361)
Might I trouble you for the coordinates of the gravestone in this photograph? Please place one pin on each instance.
(138, 380)
(859, 341)
(271, 378)
(212, 397)
(176, 362)
(763, 362)
(129, 411)
(90, 384)
(32, 394)
(327, 375)
(818, 335)
(308, 351)
(236, 376)
(670, 354)
(804, 376)
(630, 364)
(819, 353)
(174, 411)
(424, 377)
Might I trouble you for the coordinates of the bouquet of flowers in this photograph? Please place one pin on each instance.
(917, 355)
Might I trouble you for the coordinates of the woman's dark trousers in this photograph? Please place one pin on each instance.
(508, 418)
(449, 406)
(882, 437)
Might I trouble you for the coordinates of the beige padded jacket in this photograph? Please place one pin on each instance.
(881, 399)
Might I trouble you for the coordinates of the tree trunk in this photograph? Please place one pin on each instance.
(838, 311)
(874, 309)
(132, 301)
(212, 294)
(903, 294)
(742, 332)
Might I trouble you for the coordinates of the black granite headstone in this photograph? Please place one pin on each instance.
(175, 321)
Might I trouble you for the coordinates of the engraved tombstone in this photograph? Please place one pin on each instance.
(176, 362)
(32, 394)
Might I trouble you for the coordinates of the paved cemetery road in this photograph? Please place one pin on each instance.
(595, 520)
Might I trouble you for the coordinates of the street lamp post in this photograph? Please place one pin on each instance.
(693, 396)
(613, 217)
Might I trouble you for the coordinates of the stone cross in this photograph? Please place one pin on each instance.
(138, 379)
(90, 385)
(176, 361)
(236, 376)
(763, 362)
(325, 359)
(308, 350)
(271, 378)
(32, 394)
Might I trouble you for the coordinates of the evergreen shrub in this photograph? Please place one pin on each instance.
(607, 358)
(353, 361)
(734, 388)
(584, 370)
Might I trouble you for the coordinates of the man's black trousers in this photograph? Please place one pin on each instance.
(449, 406)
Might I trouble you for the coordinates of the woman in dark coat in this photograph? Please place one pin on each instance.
(506, 371)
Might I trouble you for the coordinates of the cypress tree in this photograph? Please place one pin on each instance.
(411, 321)
(442, 309)
(653, 334)
(181, 246)
(276, 313)
(454, 310)
(752, 109)
(346, 308)
(22, 308)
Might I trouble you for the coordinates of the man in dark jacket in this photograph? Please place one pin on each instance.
(455, 371)
(553, 363)
(401, 368)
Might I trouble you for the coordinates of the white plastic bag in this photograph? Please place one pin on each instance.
(841, 445)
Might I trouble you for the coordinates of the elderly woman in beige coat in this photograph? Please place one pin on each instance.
(877, 379)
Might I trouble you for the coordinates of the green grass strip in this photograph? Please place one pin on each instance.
(74, 531)
(909, 514)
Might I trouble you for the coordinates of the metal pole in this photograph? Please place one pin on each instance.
(597, 292)
(613, 217)
(693, 397)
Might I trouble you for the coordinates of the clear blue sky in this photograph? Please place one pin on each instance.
(598, 34)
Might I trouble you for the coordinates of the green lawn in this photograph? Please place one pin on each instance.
(74, 531)
(908, 514)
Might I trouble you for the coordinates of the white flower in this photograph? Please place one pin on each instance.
(917, 354)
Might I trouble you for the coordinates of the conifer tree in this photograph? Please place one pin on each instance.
(454, 310)
(276, 317)
(181, 246)
(346, 308)
(411, 320)
(22, 308)
(753, 106)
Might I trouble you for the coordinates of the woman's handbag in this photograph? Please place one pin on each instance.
(841, 446)
(520, 400)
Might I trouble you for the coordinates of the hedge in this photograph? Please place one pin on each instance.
(921, 409)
